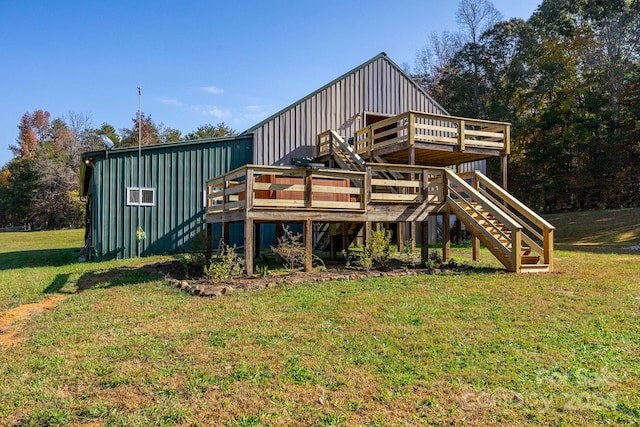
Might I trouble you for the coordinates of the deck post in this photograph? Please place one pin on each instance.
(461, 136)
(547, 247)
(367, 232)
(475, 242)
(248, 246)
(308, 245)
(208, 238)
(308, 189)
(256, 243)
(475, 247)
(344, 237)
(332, 241)
(446, 236)
(225, 233)
(503, 167)
(400, 236)
(424, 250)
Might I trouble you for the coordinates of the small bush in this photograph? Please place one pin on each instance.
(226, 265)
(290, 248)
(375, 253)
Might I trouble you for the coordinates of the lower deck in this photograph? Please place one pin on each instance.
(382, 193)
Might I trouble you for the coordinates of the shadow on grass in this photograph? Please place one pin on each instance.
(37, 258)
(122, 276)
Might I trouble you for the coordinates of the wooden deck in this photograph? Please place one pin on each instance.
(382, 193)
(417, 138)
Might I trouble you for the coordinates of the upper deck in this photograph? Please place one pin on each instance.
(417, 138)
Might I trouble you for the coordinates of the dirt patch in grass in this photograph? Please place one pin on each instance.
(9, 335)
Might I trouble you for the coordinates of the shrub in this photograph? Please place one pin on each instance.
(225, 265)
(374, 253)
(290, 248)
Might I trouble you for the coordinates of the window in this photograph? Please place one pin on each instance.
(141, 196)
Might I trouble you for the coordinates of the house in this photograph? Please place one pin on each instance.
(370, 147)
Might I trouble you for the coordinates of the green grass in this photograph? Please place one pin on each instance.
(475, 349)
(617, 228)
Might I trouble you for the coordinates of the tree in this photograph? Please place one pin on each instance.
(34, 128)
(434, 58)
(144, 131)
(476, 17)
(210, 131)
(18, 188)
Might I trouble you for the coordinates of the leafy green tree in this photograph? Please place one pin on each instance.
(210, 131)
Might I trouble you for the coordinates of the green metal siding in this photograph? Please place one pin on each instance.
(177, 172)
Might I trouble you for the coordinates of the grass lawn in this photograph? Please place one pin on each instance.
(484, 348)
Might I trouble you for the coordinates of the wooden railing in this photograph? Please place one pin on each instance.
(502, 237)
(415, 127)
(267, 187)
(391, 183)
(537, 233)
(286, 187)
(334, 145)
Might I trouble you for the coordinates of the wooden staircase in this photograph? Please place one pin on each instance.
(324, 234)
(482, 218)
(520, 239)
(507, 229)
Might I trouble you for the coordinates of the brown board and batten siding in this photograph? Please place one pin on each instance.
(377, 86)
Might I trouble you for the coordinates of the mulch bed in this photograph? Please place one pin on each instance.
(195, 283)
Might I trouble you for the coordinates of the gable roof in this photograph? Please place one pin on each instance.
(381, 55)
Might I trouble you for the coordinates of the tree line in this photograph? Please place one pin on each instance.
(39, 186)
(567, 79)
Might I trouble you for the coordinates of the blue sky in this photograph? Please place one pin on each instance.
(198, 62)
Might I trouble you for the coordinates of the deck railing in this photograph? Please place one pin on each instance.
(391, 183)
(537, 233)
(415, 127)
(267, 187)
(286, 187)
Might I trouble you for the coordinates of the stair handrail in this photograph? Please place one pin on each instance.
(512, 258)
(510, 201)
(484, 201)
(337, 141)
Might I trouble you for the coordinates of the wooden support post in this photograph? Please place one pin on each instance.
(400, 236)
(367, 232)
(424, 250)
(332, 247)
(225, 233)
(446, 236)
(344, 232)
(278, 225)
(256, 243)
(412, 235)
(547, 247)
(503, 167)
(458, 231)
(208, 238)
(248, 246)
(308, 245)
(308, 190)
(461, 136)
(475, 247)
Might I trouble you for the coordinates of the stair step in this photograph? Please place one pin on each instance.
(534, 268)
(529, 259)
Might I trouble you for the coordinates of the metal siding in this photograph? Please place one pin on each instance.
(178, 173)
(378, 87)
